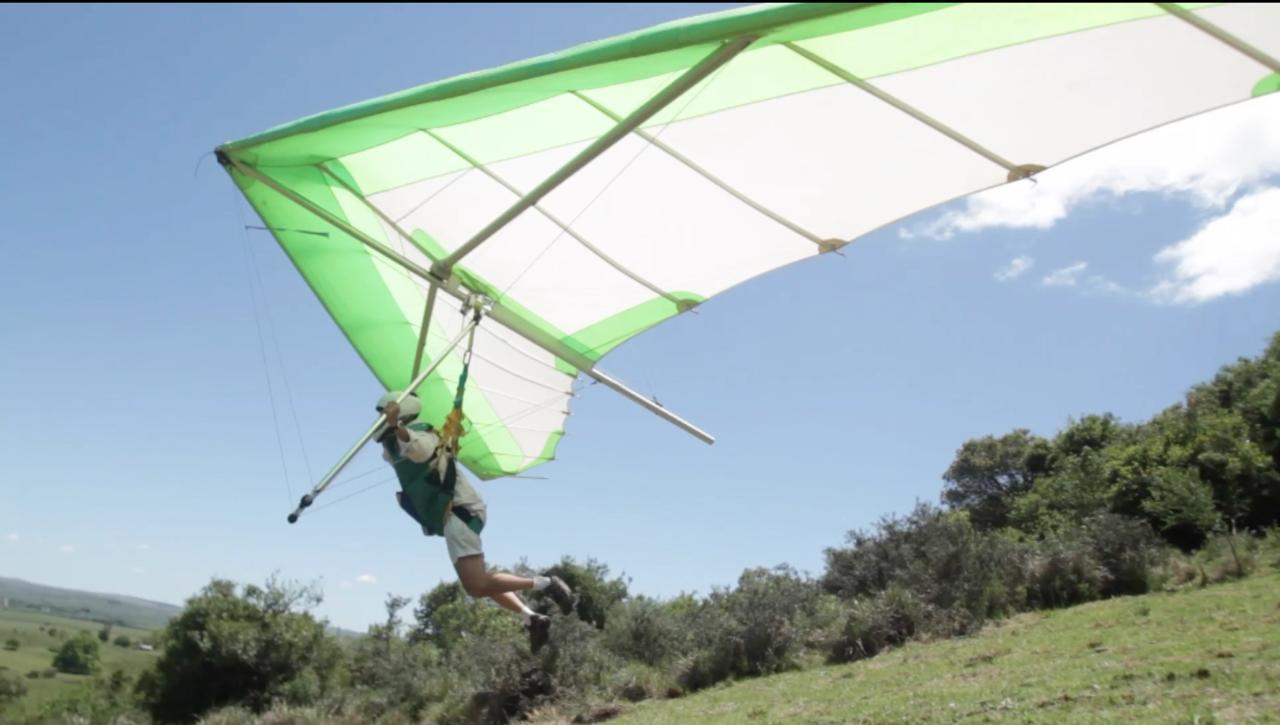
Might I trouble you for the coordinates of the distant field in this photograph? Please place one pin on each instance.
(1210, 655)
(31, 629)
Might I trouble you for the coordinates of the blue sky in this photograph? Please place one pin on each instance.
(139, 444)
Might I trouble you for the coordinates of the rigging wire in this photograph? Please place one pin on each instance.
(366, 489)
(262, 348)
(284, 369)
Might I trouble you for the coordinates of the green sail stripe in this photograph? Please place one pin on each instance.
(873, 44)
(1269, 84)
(670, 39)
(601, 337)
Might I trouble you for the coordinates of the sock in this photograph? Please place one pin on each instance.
(527, 614)
(540, 583)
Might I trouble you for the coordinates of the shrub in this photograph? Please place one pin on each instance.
(1176, 571)
(1269, 551)
(713, 648)
(446, 616)
(634, 682)
(936, 555)
(12, 688)
(78, 655)
(576, 660)
(1065, 572)
(240, 648)
(1227, 557)
(486, 681)
(1127, 549)
(12, 645)
(769, 607)
(123, 641)
(644, 630)
(757, 628)
(97, 701)
(890, 618)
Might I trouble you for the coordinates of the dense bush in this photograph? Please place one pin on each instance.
(245, 648)
(645, 630)
(78, 655)
(1127, 549)
(757, 628)
(871, 624)
(1064, 571)
(938, 556)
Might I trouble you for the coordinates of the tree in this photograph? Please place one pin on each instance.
(78, 655)
(12, 645)
(445, 617)
(1090, 433)
(1077, 487)
(1180, 498)
(123, 641)
(989, 472)
(249, 648)
(400, 670)
(104, 634)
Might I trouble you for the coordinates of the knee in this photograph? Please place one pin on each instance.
(474, 587)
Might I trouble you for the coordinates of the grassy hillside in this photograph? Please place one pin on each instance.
(39, 634)
(115, 608)
(1201, 655)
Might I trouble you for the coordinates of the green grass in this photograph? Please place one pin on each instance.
(33, 653)
(1202, 655)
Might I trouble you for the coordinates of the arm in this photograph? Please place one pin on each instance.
(420, 447)
(415, 445)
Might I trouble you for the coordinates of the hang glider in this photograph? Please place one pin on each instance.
(593, 193)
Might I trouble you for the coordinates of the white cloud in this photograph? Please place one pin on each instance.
(13, 536)
(1065, 277)
(367, 579)
(1230, 254)
(1098, 283)
(1206, 159)
(66, 548)
(1014, 269)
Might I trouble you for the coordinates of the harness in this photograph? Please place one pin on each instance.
(428, 488)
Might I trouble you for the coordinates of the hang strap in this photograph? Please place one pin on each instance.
(451, 431)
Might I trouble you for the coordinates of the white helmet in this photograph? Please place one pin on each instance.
(410, 407)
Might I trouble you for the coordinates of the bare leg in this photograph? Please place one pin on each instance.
(481, 583)
(508, 600)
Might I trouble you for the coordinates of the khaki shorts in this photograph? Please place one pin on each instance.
(460, 539)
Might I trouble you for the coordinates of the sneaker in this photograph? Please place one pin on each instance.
(561, 594)
(539, 626)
